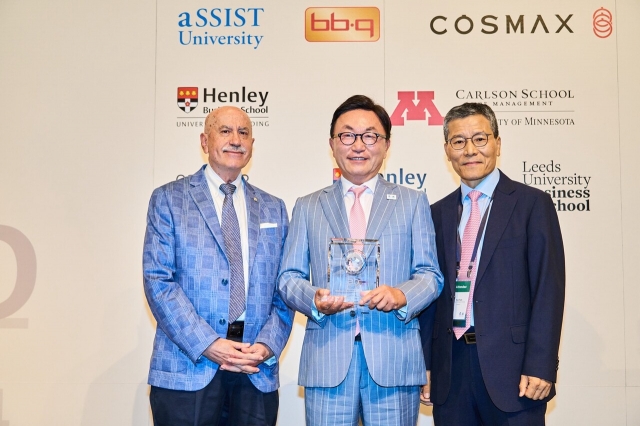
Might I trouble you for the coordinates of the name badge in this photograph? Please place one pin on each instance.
(461, 302)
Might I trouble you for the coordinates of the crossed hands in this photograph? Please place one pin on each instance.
(236, 356)
(382, 298)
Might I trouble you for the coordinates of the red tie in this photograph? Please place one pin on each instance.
(468, 241)
(357, 225)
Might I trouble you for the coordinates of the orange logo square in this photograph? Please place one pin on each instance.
(330, 24)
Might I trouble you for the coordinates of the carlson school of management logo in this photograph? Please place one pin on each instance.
(187, 98)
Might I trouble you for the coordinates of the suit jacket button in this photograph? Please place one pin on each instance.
(449, 330)
(353, 313)
(225, 281)
(222, 321)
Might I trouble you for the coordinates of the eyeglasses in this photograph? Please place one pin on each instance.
(479, 140)
(367, 138)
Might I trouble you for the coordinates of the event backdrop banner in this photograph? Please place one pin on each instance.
(290, 65)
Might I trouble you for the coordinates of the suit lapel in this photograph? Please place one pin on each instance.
(201, 195)
(332, 202)
(501, 209)
(449, 220)
(385, 199)
(253, 219)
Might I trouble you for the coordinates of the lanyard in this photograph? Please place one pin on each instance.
(483, 223)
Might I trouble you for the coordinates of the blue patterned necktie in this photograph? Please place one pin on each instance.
(231, 234)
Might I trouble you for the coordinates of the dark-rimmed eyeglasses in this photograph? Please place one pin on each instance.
(479, 140)
(368, 138)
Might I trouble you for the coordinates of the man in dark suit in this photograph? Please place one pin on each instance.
(491, 340)
(211, 256)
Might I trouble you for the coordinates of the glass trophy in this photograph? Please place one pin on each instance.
(353, 267)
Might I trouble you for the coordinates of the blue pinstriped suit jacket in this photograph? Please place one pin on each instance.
(408, 261)
(186, 277)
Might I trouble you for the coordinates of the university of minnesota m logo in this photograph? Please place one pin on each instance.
(416, 111)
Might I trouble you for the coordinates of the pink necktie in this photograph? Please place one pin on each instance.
(468, 241)
(357, 225)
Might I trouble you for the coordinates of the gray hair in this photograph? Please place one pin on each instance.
(469, 109)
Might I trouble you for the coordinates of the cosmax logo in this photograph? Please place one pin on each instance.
(602, 23)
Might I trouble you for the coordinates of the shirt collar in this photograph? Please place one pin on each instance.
(486, 186)
(216, 180)
(346, 185)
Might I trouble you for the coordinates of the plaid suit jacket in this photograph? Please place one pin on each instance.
(186, 277)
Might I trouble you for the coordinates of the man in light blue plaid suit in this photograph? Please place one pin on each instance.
(362, 360)
(211, 255)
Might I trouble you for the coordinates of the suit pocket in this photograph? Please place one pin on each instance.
(519, 333)
(176, 362)
(270, 232)
(414, 323)
(271, 237)
(312, 325)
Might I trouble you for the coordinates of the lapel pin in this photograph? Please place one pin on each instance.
(391, 196)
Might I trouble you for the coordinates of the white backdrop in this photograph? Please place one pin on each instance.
(89, 125)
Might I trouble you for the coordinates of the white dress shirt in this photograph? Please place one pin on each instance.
(366, 198)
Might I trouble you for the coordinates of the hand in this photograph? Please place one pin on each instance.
(328, 304)
(259, 349)
(534, 387)
(231, 357)
(425, 394)
(383, 298)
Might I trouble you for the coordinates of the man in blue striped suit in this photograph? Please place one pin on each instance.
(362, 360)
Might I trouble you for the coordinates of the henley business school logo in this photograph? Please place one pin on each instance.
(187, 98)
(253, 102)
(331, 24)
(416, 111)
